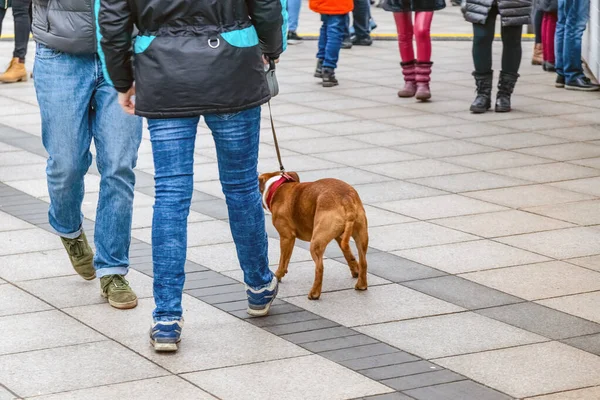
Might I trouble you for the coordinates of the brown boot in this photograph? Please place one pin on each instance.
(538, 55)
(16, 72)
(410, 86)
(423, 76)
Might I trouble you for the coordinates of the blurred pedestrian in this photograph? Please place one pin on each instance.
(16, 71)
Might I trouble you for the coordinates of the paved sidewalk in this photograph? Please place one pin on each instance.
(484, 261)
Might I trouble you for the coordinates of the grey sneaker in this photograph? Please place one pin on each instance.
(116, 289)
(81, 256)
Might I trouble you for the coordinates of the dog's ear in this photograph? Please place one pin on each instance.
(295, 176)
(262, 180)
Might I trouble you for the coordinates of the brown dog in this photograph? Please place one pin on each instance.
(317, 212)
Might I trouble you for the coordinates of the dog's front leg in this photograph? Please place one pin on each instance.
(287, 247)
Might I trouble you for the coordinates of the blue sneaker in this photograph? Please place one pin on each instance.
(259, 301)
(166, 335)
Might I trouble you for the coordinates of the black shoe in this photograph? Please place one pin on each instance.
(506, 86)
(329, 79)
(483, 101)
(293, 36)
(560, 81)
(319, 69)
(583, 84)
(346, 43)
(548, 67)
(362, 42)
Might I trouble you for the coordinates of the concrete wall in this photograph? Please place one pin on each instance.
(591, 39)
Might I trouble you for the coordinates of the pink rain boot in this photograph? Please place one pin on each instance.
(410, 86)
(423, 72)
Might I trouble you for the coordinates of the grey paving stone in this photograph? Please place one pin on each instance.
(462, 292)
(205, 283)
(464, 390)
(225, 298)
(542, 320)
(304, 326)
(240, 306)
(394, 371)
(589, 343)
(359, 352)
(321, 334)
(281, 319)
(214, 290)
(213, 208)
(397, 269)
(389, 396)
(339, 343)
(191, 266)
(377, 361)
(203, 276)
(279, 308)
(422, 380)
(140, 260)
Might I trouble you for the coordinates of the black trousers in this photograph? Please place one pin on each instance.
(22, 18)
(538, 15)
(484, 38)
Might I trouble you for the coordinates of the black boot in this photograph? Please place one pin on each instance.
(319, 69)
(329, 77)
(483, 101)
(506, 85)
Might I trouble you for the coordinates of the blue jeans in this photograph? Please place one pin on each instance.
(78, 105)
(332, 34)
(573, 16)
(361, 17)
(236, 138)
(293, 8)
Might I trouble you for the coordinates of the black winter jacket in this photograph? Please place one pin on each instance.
(66, 25)
(413, 5)
(547, 5)
(512, 12)
(191, 57)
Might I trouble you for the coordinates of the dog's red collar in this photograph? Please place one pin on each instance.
(271, 189)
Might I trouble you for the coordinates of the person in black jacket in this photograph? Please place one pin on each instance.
(482, 14)
(197, 58)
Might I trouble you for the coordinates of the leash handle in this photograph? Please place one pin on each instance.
(281, 168)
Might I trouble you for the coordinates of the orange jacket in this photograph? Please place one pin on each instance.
(331, 7)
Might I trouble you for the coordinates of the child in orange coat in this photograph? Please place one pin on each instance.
(333, 15)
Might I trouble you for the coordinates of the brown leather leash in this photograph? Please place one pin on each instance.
(281, 167)
(274, 89)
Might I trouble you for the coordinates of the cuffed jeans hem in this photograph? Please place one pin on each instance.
(100, 272)
(167, 318)
(272, 275)
(73, 235)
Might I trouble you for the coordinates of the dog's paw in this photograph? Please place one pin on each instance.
(355, 274)
(314, 296)
(360, 287)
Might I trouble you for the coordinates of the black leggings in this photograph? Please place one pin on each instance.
(538, 16)
(22, 18)
(484, 38)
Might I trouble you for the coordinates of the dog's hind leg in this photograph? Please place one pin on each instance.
(344, 243)
(361, 237)
(287, 247)
(317, 249)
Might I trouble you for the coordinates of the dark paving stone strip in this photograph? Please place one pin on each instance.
(542, 320)
(590, 343)
(364, 354)
(463, 390)
(462, 292)
(423, 380)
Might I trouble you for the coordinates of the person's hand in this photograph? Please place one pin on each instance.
(126, 101)
(266, 60)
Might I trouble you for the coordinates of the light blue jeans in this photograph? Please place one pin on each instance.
(573, 16)
(236, 138)
(78, 105)
(293, 8)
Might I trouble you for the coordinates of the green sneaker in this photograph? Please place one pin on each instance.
(116, 289)
(81, 256)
